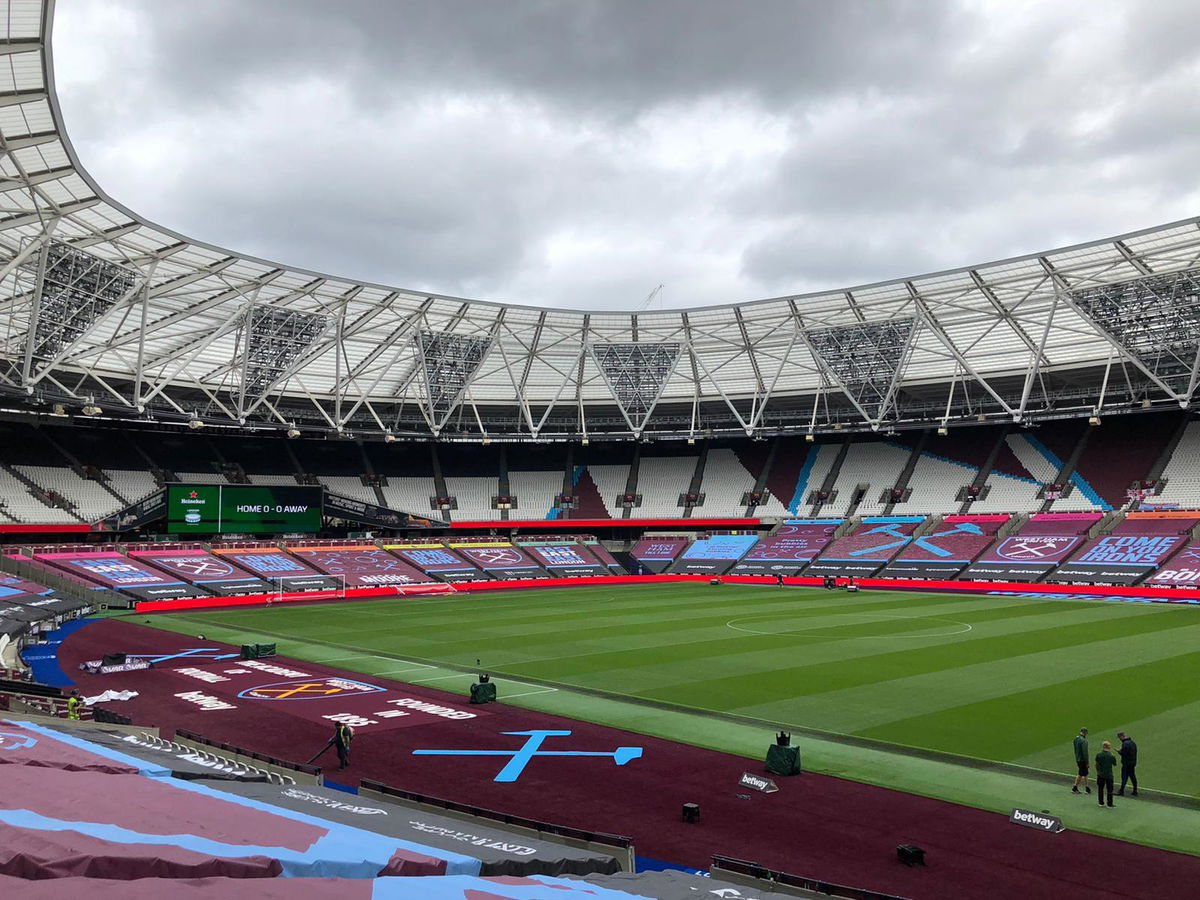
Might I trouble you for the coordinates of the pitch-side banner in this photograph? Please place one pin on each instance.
(1119, 559)
(218, 576)
(1024, 557)
(362, 565)
(786, 552)
(281, 570)
(1182, 570)
(119, 573)
(714, 555)
(565, 560)
(438, 561)
(501, 560)
(655, 554)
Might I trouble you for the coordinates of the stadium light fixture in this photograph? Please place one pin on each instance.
(810, 437)
(389, 438)
(942, 429)
(293, 431)
(584, 441)
(1094, 420)
(195, 424)
(691, 441)
(90, 408)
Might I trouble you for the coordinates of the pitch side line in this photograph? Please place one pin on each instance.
(547, 690)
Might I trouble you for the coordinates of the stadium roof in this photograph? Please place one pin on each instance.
(105, 310)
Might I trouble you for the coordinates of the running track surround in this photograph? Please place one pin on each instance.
(815, 825)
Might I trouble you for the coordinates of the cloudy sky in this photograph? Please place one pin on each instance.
(580, 152)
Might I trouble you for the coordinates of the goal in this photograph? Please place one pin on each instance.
(281, 589)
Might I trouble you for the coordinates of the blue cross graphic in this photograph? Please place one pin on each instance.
(213, 653)
(520, 758)
(959, 528)
(10, 741)
(892, 529)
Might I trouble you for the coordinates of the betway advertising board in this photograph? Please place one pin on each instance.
(119, 573)
(438, 562)
(714, 555)
(1024, 557)
(1182, 570)
(1119, 559)
(362, 565)
(501, 560)
(789, 550)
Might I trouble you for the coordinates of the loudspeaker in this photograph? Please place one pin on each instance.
(910, 855)
(691, 813)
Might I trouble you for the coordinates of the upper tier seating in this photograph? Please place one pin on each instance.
(91, 501)
(535, 493)
(411, 494)
(661, 479)
(24, 507)
(474, 495)
(1182, 473)
(725, 483)
(876, 464)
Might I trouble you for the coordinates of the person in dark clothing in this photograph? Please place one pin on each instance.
(343, 734)
(1105, 761)
(1128, 754)
(1080, 747)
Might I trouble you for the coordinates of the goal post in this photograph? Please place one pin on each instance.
(281, 582)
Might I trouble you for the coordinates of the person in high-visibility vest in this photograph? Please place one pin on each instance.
(74, 704)
(343, 734)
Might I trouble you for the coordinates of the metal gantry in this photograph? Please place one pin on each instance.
(102, 308)
(1155, 320)
(865, 359)
(448, 363)
(636, 374)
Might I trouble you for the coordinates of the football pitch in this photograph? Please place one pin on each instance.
(998, 678)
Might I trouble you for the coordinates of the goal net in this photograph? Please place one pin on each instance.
(433, 587)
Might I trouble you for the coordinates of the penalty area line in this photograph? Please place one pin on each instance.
(417, 667)
(442, 677)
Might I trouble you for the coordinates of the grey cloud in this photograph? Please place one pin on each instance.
(553, 153)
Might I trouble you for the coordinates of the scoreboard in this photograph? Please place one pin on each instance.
(243, 508)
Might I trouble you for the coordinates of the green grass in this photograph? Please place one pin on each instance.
(1007, 679)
